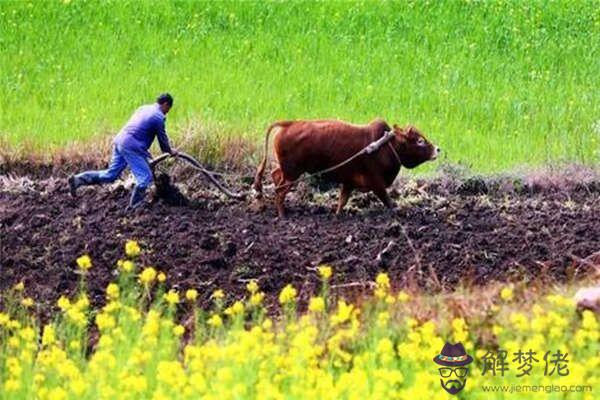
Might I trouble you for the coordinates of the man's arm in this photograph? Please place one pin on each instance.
(163, 139)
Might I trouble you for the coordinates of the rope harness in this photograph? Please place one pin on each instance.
(369, 149)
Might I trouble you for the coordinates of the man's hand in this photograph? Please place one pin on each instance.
(174, 153)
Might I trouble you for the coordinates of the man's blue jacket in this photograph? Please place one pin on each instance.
(138, 134)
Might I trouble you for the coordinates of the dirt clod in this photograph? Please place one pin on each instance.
(167, 192)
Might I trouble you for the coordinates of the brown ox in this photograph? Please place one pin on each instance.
(312, 146)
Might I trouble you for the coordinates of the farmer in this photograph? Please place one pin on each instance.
(131, 149)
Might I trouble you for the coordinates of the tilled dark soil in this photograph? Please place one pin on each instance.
(436, 239)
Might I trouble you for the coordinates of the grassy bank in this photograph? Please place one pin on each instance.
(496, 84)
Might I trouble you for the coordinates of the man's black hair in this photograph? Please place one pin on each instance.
(165, 98)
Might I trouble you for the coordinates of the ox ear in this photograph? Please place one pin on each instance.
(410, 130)
(399, 130)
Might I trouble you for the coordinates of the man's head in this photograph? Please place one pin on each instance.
(165, 102)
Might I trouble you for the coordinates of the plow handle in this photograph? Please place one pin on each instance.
(191, 160)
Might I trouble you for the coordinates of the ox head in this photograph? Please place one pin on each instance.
(414, 148)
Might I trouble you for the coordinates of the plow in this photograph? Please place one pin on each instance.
(211, 175)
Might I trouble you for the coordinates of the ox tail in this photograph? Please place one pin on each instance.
(260, 171)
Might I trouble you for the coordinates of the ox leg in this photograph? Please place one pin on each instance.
(282, 187)
(344, 196)
(383, 195)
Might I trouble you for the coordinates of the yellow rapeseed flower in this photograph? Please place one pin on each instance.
(49, 335)
(506, 294)
(385, 347)
(403, 297)
(560, 300)
(538, 324)
(105, 321)
(344, 313)
(458, 324)
(172, 297)
(161, 277)
(135, 384)
(12, 385)
(236, 308)
(287, 295)
(383, 280)
(382, 319)
(316, 304)
(411, 322)
(497, 330)
(380, 293)
(252, 286)
(13, 324)
(19, 287)
(267, 324)
(148, 276)
(257, 298)
(82, 303)
(132, 248)
(178, 330)
(57, 393)
(77, 386)
(84, 262)
(13, 342)
(218, 294)
(75, 345)
(38, 379)
(215, 321)
(580, 338)
(112, 306)
(519, 321)
(191, 294)
(27, 334)
(112, 291)
(27, 302)
(127, 265)
(589, 321)
(63, 303)
(459, 327)
(76, 316)
(325, 271)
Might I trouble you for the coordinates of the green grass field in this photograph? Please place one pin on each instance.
(495, 84)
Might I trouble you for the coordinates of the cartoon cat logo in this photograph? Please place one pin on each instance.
(453, 371)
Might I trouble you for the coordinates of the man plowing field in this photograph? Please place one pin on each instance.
(131, 150)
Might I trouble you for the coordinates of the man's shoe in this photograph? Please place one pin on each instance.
(73, 185)
(137, 198)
